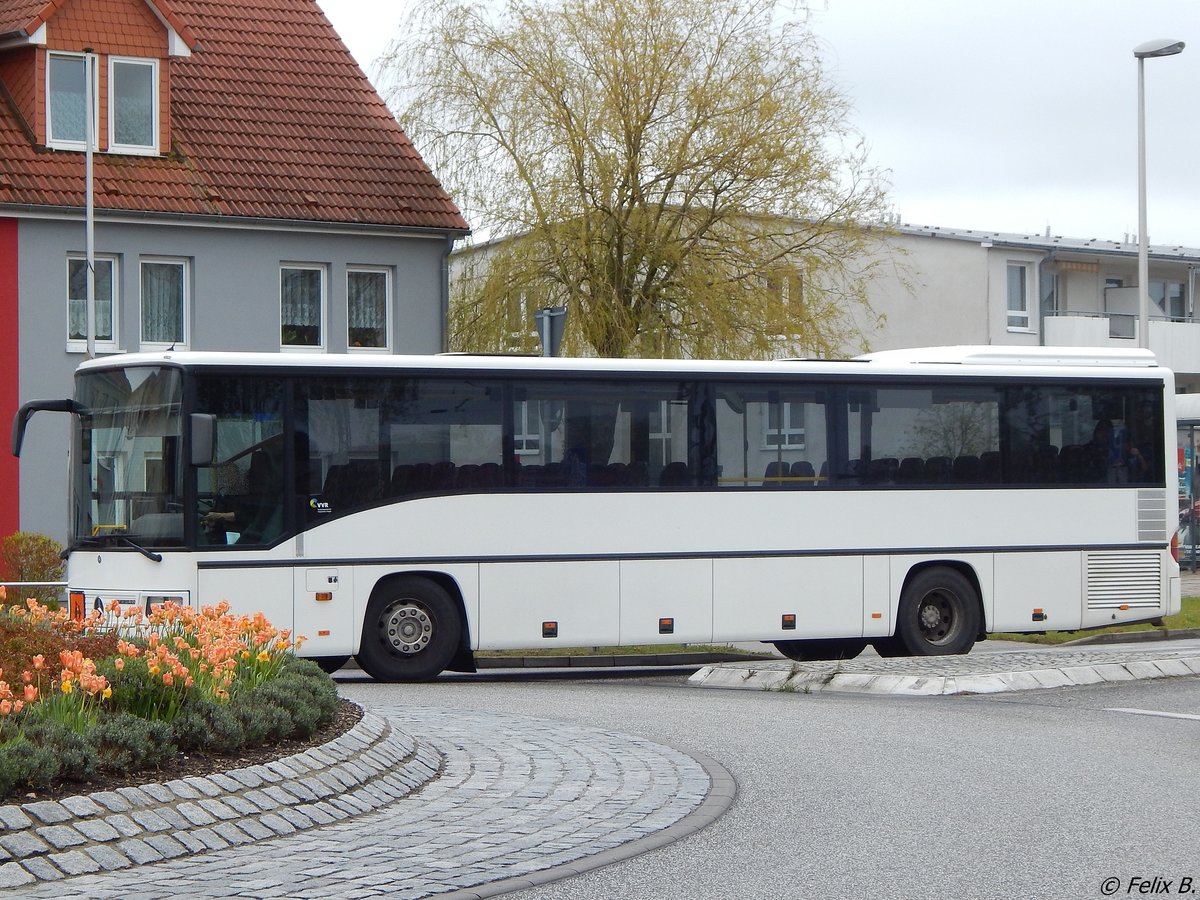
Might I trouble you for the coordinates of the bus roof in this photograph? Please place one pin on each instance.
(1018, 356)
(934, 362)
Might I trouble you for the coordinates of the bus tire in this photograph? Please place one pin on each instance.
(330, 664)
(889, 647)
(411, 630)
(939, 613)
(811, 651)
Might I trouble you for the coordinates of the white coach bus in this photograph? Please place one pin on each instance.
(410, 511)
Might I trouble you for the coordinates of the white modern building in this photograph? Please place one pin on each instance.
(983, 287)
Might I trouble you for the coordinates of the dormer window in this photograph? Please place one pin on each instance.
(133, 105)
(66, 106)
(130, 86)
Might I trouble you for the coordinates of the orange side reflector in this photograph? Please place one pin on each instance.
(549, 629)
(1123, 606)
(789, 622)
(1038, 610)
(323, 596)
(324, 633)
(666, 626)
(75, 604)
(876, 615)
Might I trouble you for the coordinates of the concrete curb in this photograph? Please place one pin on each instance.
(1136, 637)
(940, 676)
(362, 770)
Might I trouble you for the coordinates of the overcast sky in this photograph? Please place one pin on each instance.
(1018, 115)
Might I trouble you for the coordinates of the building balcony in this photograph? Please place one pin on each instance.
(1175, 344)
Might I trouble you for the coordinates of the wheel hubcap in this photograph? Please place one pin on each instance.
(936, 618)
(407, 628)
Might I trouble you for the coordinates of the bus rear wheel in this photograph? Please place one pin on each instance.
(939, 613)
(411, 630)
(811, 651)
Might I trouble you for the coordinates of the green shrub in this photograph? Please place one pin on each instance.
(305, 698)
(262, 722)
(224, 732)
(29, 556)
(126, 742)
(25, 765)
(189, 729)
(73, 757)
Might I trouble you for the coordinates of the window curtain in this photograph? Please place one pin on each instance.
(77, 297)
(300, 292)
(162, 303)
(367, 302)
(68, 92)
(133, 102)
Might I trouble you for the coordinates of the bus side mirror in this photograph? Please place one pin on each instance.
(28, 409)
(204, 431)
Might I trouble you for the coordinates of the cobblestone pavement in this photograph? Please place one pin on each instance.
(517, 802)
(979, 672)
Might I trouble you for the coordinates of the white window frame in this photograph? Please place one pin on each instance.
(185, 302)
(322, 314)
(527, 436)
(77, 345)
(386, 272)
(67, 144)
(1024, 312)
(133, 149)
(781, 438)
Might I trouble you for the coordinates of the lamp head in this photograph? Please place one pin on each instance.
(1158, 47)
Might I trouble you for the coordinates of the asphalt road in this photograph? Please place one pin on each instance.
(1033, 794)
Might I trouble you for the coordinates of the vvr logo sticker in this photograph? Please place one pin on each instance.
(320, 506)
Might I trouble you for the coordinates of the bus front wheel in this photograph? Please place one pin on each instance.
(411, 630)
(939, 613)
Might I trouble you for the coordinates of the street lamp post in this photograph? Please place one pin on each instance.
(1148, 50)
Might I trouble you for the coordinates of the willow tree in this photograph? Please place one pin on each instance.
(679, 174)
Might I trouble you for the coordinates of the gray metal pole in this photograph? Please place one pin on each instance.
(89, 62)
(1143, 275)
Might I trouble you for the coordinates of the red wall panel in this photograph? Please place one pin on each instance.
(10, 385)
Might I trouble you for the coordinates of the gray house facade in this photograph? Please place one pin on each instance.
(251, 192)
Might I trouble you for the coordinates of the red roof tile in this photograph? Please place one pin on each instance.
(24, 17)
(269, 108)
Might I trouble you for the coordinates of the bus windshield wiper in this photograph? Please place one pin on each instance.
(107, 539)
(149, 554)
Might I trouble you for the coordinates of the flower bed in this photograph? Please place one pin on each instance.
(122, 691)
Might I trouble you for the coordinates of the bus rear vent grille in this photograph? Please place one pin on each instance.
(1152, 515)
(1131, 579)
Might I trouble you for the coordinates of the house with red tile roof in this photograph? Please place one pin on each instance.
(251, 191)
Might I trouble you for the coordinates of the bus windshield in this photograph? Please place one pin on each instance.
(127, 477)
